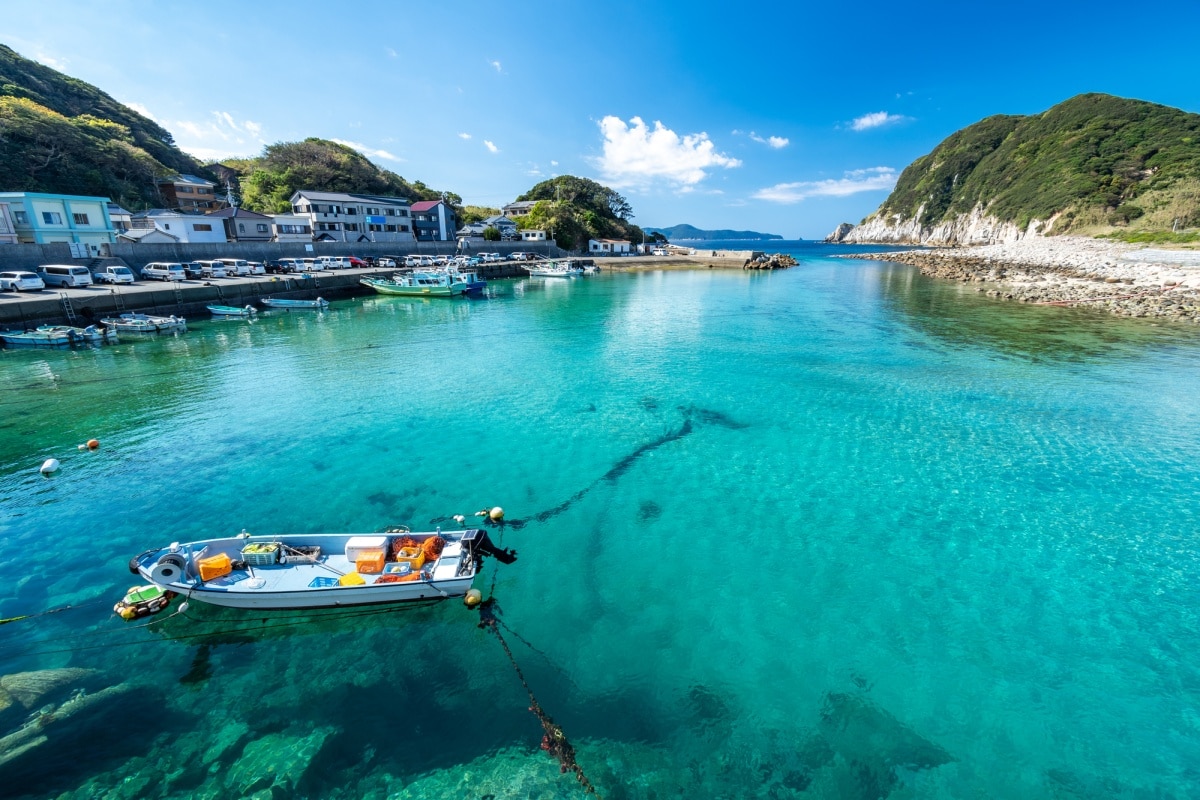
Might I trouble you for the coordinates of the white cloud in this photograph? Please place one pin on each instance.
(635, 154)
(141, 109)
(464, 136)
(776, 142)
(218, 137)
(491, 147)
(369, 151)
(554, 163)
(59, 64)
(496, 65)
(876, 120)
(874, 179)
(391, 51)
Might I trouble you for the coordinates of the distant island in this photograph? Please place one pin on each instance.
(692, 232)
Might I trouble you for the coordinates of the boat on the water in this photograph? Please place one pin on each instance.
(145, 323)
(279, 302)
(320, 570)
(57, 336)
(554, 269)
(470, 278)
(433, 283)
(89, 335)
(233, 311)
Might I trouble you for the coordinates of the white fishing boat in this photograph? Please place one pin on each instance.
(145, 323)
(554, 269)
(419, 283)
(320, 570)
(35, 339)
(233, 311)
(279, 302)
(89, 335)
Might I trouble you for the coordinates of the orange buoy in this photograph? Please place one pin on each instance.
(93, 444)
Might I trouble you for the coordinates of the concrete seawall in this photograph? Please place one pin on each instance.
(190, 298)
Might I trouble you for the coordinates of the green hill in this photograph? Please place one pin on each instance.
(268, 181)
(578, 209)
(1102, 162)
(692, 232)
(59, 134)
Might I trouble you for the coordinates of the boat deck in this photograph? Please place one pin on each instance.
(293, 577)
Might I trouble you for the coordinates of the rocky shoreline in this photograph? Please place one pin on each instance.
(1125, 280)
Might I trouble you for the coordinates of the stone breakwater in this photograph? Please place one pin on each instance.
(1068, 271)
(773, 261)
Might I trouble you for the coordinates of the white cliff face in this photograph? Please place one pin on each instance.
(974, 228)
(839, 233)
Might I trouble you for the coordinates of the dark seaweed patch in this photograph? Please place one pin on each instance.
(649, 511)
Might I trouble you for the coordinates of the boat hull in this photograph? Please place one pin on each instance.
(231, 311)
(309, 582)
(271, 302)
(399, 290)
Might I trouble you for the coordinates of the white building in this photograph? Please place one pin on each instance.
(291, 228)
(609, 247)
(8, 234)
(337, 217)
(187, 228)
(533, 236)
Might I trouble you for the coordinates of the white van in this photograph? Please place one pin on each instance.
(236, 267)
(164, 271)
(64, 275)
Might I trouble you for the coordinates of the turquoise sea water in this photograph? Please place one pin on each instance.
(837, 531)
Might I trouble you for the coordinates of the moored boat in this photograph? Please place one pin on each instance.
(145, 323)
(473, 284)
(233, 311)
(89, 335)
(320, 570)
(418, 284)
(554, 269)
(279, 302)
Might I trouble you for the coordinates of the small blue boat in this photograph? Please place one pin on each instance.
(233, 311)
(276, 302)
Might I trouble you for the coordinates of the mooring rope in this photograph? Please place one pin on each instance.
(554, 740)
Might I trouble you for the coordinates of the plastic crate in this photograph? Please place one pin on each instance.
(369, 562)
(304, 554)
(261, 554)
(410, 555)
(214, 566)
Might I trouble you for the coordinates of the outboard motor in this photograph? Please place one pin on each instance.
(479, 545)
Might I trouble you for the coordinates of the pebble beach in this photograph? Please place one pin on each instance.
(1124, 279)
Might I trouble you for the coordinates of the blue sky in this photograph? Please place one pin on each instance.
(779, 117)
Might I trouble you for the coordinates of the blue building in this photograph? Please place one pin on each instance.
(46, 218)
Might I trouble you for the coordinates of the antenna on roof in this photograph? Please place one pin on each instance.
(229, 198)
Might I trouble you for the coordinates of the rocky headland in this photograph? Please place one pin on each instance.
(1125, 280)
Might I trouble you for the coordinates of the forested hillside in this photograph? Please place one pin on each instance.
(1096, 160)
(578, 209)
(60, 134)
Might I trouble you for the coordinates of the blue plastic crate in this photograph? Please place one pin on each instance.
(322, 582)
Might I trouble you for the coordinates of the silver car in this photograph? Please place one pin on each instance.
(18, 281)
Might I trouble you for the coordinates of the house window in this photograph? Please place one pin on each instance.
(375, 228)
(20, 217)
(80, 219)
(52, 218)
(352, 210)
(391, 212)
(403, 228)
(262, 228)
(167, 226)
(403, 212)
(201, 226)
(241, 228)
(352, 226)
(183, 189)
(389, 228)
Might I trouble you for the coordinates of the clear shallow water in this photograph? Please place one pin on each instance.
(838, 531)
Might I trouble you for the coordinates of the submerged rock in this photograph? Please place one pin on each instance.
(27, 688)
(277, 760)
(862, 732)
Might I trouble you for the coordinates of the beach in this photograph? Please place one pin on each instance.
(1124, 279)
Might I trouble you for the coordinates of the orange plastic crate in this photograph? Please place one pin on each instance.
(214, 566)
(370, 562)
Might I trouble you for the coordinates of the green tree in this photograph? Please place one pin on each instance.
(491, 234)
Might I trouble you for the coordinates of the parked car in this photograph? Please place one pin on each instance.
(114, 273)
(311, 264)
(282, 266)
(358, 263)
(213, 269)
(164, 271)
(256, 268)
(336, 262)
(236, 267)
(21, 281)
(489, 258)
(520, 255)
(658, 251)
(193, 269)
(65, 275)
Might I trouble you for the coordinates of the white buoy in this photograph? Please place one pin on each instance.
(50, 465)
(496, 514)
(460, 519)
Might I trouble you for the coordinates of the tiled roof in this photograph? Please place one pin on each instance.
(192, 179)
(425, 205)
(351, 198)
(137, 233)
